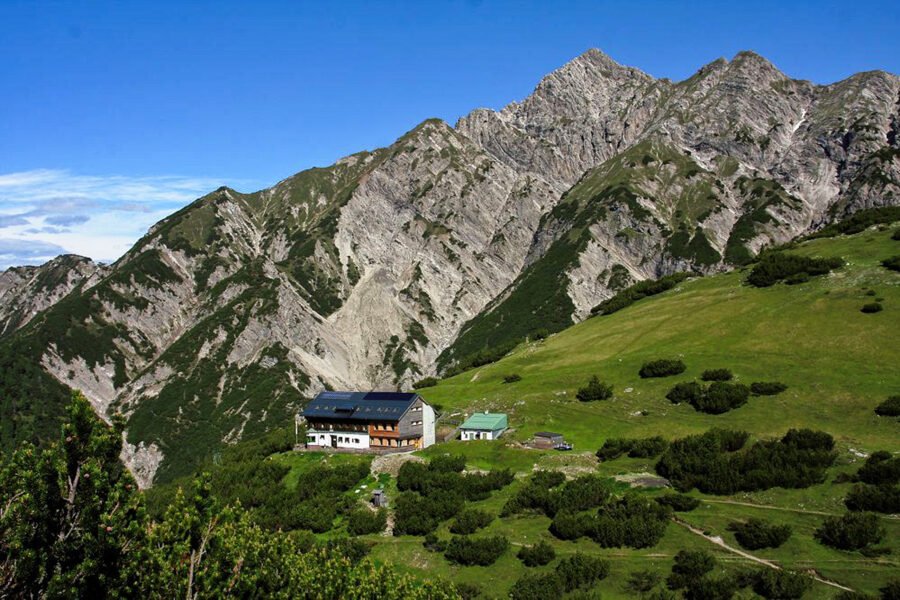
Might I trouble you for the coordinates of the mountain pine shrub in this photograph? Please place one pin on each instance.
(537, 555)
(594, 391)
(767, 388)
(892, 263)
(482, 551)
(889, 408)
(754, 534)
(717, 375)
(871, 308)
(661, 368)
(778, 266)
(852, 531)
(512, 378)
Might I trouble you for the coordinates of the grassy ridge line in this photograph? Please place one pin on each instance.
(837, 362)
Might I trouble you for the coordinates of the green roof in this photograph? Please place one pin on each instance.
(492, 421)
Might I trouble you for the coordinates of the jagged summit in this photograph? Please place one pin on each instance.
(392, 263)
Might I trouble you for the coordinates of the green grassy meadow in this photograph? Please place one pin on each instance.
(837, 362)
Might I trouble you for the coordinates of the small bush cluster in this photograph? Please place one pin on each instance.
(896, 235)
(767, 388)
(633, 293)
(859, 221)
(363, 521)
(717, 398)
(595, 391)
(512, 378)
(483, 551)
(470, 520)
(878, 488)
(781, 585)
(632, 521)
(717, 375)
(678, 502)
(426, 383)
(482, 357)
(892, 263)
(537, 555)
(754, 534)
(636, 448)
(661, 368)
(577, 571)
(778, 266)
(889, 408)
(437, 491)
(871, 308)
(546, 493)
(716, 462)
(852, 531)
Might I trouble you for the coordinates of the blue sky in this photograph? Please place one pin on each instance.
(114, 114)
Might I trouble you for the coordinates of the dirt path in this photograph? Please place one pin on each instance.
(772, 565)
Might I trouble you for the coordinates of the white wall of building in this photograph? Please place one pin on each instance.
(427, 425)
(478, 434)
(340, 439)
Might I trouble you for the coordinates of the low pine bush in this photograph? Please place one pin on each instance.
(537, 555)
(754, 534)
(689, 392)
(642, 289)
(595, 390)
(484, 551)
(852, 531)
(872, 307)
(717, 375)
(470, 520)
(892, 263)
(778, 266)
(781, 585)
(896, 236)
(364, 521)
(678, 502)
(512, 378)
(720, 397)
(425, 383)
(767, 388)
(661, 368)
(889, 408)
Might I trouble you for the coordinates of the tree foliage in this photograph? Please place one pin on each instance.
(594, 391)
(661, 368)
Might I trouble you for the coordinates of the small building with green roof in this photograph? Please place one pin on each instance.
(483, 426)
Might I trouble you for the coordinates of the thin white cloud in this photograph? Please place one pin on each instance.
(52, 211)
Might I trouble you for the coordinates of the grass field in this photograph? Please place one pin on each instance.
(838, 364)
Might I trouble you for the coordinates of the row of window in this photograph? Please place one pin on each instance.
(376, 441)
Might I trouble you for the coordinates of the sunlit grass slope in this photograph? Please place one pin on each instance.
(838, 362)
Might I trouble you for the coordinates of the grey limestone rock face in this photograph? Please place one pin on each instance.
(364, 274)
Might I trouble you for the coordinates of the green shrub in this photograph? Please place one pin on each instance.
(716, 462)
(581, 570)
(797, 278)
(881, 468)
(754, 534)
(767, 388)
(661, 368)
(636, 448)
(781, 585)
(892, 263)
(690, 566)
(364, 521)
(426, 383)
(720, 397)
(891, 591)
(633, 521)
(717, 375)
(889, 408)
(852, 531)
(872, 307)
(678, 502)
(475, 551)
(641, 582)
(896, 235)
(876, 498)
(482, 357)
(537, 555)
(539, 334)
(512, 378)
(689, 392)
(640, 290)
(859, 221)
(537, 586)
(594, 391)
(777, 266)
(470, 520)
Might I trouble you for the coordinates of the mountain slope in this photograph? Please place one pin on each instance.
(228, 313)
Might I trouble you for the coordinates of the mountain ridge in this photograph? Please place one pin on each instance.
(372, 271)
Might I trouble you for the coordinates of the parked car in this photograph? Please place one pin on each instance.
(565, 446)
